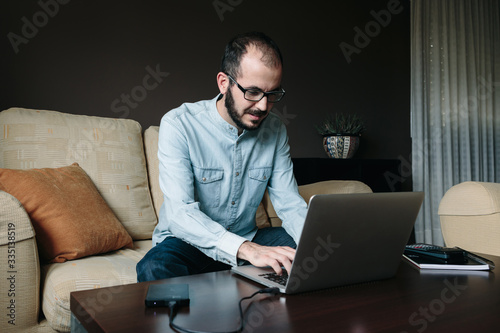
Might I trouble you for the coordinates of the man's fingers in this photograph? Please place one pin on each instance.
(287, 251)
(274, 256)
(288, 266)
(284, 257)
(277, 267)
(288, 254)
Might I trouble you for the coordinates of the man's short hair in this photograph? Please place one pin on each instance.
(238, 47)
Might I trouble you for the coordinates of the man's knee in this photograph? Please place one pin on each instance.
(144, 270)
(168, 259)
(151, 266)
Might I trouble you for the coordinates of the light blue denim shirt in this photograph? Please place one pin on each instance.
(213, 180)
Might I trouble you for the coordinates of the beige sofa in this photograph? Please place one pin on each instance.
(121, 161)
(470, 217)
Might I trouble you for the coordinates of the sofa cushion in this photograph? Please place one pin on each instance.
(109, 150)
(112, 269)
(70, 218)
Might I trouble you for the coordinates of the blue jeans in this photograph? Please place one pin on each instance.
(173, 257)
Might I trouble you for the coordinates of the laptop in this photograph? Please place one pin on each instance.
(346, 239)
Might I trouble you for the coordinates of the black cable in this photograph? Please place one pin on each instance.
(173, 306)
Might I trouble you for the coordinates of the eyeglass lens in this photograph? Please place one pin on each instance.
(257, 95)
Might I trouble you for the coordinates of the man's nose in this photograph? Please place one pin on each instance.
(263, 104)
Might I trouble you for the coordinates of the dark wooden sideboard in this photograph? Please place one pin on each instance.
(382, 175)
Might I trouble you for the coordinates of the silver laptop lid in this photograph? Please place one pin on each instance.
(352, 238)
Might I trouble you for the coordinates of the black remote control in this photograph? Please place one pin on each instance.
(445, 254)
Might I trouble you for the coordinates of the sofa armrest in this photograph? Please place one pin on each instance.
(20, 273)
(324, 187)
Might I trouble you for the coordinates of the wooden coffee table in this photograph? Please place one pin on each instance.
(413, 301)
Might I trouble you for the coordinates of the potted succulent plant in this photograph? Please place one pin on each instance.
(341, 134)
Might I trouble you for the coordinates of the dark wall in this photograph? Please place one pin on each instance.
(86, 57)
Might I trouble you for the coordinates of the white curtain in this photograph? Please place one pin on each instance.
(455, 100)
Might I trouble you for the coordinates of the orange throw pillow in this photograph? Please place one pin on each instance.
(70, 217)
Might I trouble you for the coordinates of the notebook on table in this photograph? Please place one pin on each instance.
(346, 239)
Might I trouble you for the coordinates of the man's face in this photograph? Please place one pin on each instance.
(255, 117)
(254, 74)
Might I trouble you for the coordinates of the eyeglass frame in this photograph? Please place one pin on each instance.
(264, 93)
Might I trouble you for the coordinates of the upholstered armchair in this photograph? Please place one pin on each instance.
(470, 217)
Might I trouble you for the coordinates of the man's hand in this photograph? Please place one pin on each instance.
(274, 256)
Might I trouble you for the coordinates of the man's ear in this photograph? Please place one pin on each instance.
(222, 83)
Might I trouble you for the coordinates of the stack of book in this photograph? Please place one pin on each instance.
(426, 256)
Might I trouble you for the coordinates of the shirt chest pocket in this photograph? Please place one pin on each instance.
(257, 183)
(208, 183)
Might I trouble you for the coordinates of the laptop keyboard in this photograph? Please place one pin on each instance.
(279, 279)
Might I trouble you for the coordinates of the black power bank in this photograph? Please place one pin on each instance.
(164, 293)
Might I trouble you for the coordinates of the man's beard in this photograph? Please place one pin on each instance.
(237, 119)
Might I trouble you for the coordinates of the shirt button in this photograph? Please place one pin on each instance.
(233, 202)
(228, 228)
(265, 177)
(237, 174)
(204, 179)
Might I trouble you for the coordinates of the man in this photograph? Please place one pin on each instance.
(217, 158)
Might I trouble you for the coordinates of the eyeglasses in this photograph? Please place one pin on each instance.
(255, 95)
